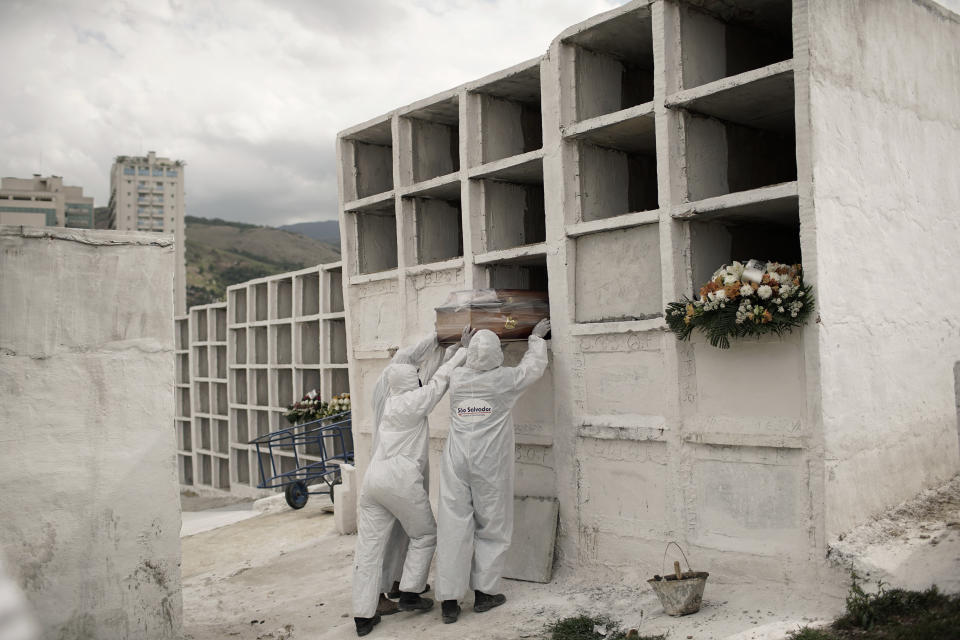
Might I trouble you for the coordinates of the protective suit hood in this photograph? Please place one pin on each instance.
(484, 352)
(401, 378)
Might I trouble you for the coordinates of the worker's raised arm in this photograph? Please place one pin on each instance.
(534, 361)
(418, 403)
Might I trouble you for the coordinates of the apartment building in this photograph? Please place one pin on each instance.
(44, 201)
(147, 194)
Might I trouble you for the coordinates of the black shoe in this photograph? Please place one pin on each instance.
(450, 611)
(410, 601)
(366, 625)
(395, 590)
(484, 601)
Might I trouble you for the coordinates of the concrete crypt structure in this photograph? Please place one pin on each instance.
(647, 147)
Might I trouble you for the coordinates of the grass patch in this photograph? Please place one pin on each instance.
(586, 627)
(891, 614)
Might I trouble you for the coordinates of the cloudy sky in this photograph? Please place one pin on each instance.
(250, 93)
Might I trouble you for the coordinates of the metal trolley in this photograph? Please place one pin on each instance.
(328, 441)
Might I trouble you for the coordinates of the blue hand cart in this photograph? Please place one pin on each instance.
(318, 448)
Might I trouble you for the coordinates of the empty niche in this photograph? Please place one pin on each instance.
(206, 470)
(202, 368)
(223, 473)
(184, 441)
(203, 397)
(183, 335)
(730, 40)
(238, 299)
(260, 348)
(238, 339)
(241, 463)
(261, 387)
(284, 387)
(284, 298)
(204, 427)
(338, 341)
(260, 301)
(368, 155)
(335, 291)
(220, 398)
(529, 273)
(772, 233)
(223, 435)
(309, 285)
(309, 342)
(287, 464)
(514, 214)
(200, 325)
(510, 118)
(220, 325)
(263, 423)
(240, 428)
(221, 358)
(309, 381)
(376, 240)
(434, 140)
(614, 64)
(183, 402)
(618, 275)
(183, 368)
(284, 343)
(186, 469)
(339, 381)
(239, 386)
(617, 180)
(439, 229)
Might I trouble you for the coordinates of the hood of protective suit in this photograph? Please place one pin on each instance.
(484, 352)
(401, 378)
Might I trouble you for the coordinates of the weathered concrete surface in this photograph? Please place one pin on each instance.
(884, 90)
(530, 556)
(90, 509)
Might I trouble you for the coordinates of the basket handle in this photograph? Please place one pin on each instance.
(664, 562)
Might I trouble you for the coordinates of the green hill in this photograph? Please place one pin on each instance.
(221, 253)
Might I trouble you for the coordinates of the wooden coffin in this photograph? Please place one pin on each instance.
(509, 313)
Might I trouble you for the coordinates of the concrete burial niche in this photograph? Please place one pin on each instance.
(91, 514)
(677, 136)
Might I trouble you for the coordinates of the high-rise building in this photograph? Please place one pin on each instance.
(44, 201)
(146, 194)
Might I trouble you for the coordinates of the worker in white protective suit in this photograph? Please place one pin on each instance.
(427, 355)
(393, 490)
(476, 475)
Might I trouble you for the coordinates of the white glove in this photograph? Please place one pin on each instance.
(467, 336)
(542, 328)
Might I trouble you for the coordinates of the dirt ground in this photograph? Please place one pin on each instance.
(286, 576)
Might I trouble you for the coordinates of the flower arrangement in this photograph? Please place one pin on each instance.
(311, 407)
(742, 300)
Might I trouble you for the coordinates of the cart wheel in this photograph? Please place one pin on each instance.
(296, 494)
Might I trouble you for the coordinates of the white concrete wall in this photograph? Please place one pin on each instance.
(885, 112)
(90, 513)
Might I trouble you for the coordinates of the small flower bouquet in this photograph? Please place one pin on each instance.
(311, 407)
(742, 300)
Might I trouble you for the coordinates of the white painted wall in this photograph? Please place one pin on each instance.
(89, 515)
(885, 110)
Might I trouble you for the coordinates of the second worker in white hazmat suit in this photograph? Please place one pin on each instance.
(476, 475)
(393, 490)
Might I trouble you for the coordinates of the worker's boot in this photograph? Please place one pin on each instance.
(395, 590)
(386, 606)
(411, 601)
(484, 601)
(366, 625)
(449, 611)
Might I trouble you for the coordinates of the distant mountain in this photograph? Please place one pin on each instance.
(222, 253)
(325, 230)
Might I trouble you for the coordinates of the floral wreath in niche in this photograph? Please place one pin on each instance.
(743, 300)
(311, 407)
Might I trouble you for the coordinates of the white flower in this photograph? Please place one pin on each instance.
(719, 295)
(730, 279)
(764, 291)
(785, 290)
(780, 309)
(746, 290)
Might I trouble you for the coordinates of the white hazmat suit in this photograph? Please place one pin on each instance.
(476, 474)
(428, 356)
(393, 486)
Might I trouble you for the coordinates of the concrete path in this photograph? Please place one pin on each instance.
(194, 522)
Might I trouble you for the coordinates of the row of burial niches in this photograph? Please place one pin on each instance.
(317, 292)
(506, 113)
(306, 342)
